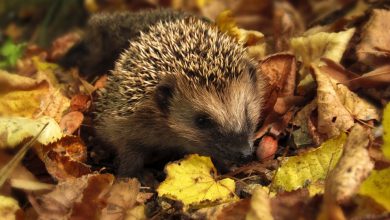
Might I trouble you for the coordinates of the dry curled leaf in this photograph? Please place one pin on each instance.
(310, 49)
(353, 167)
(75, 198)
(71, 122)
(338, 107)
(65, 158)
(260, 206)
(125, 201)
(374, 48)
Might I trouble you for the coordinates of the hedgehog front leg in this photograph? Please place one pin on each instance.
(131, 162)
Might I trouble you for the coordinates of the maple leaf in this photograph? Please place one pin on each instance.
(193, 182)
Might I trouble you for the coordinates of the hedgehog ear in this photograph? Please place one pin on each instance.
(163, 95)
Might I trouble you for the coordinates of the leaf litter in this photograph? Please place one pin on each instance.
(327, 91)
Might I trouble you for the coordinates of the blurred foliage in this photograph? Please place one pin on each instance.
(10, 53)
(41, 20)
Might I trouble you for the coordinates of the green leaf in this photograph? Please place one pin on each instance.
(10, 53)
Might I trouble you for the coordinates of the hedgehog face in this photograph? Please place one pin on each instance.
(210, 120)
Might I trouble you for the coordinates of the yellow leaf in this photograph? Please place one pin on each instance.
(13, 130)
(193, 182)
(253, 40)
(298, 171)
(8, 208)
(46, 70)
(310, 49)
(377, 186)
(386, 131)
(20, 96)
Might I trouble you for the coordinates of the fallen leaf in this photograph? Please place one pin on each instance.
(254, 41)
(77, 198)
(333, 117)
(377, 187)
(54, 104)
(280, 73)
(299, 171)
(123, 202)
(312, 48)
(294, 205)
(62, 44)
(376, 78)
(13, 130)
(354, 166)
(20, 96)
(193, 181)
(80, 103)
(11, 82)
(9, 209)
(64, 158)
(338, 106)
(306, 134)
(386, 131)
(287, 22)
(374, 47)
(71, 122)
(260, 205)
(226, 211)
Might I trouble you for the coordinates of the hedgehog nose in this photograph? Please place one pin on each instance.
(246, 152)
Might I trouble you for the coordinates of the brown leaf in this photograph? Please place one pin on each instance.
(92, 201)
(287, 22)
(71, 122)
(62, 44)
(280, 71)
(379, 77)
(353, 167)
(79, 198)
(80, 102)
(294, 205)
(307, 133)
(374, 47)
(101, 82)
(53, 104)
(65, 158)
(344, 180)
(124, 201)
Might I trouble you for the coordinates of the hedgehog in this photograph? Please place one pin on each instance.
(181, 86)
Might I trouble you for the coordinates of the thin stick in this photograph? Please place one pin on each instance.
(6, 171)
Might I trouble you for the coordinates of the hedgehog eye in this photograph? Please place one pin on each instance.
(203, 121)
